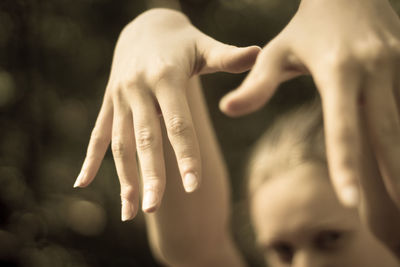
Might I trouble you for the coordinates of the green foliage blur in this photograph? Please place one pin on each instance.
(55, 57)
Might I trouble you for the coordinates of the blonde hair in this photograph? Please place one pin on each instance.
(295, 139)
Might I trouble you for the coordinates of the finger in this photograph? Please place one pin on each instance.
(216, 56)
(98, 144)
(341, 116)
(181, 133)
(123, 148)
(149, 148)
(377, 209)
(383, 124)
(270, 70)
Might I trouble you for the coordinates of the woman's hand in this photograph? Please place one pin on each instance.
(154, 59)
(352, 50)
(377, 209)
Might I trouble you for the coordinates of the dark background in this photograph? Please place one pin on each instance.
(55, 57)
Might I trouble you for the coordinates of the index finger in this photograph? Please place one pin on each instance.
(98, 144)
(270, 70)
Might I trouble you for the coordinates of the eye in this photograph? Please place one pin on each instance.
(284, 251)
(329, 239)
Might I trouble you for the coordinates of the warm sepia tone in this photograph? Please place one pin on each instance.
(55, 60)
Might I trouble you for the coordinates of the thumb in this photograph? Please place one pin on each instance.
(218, 56)
(270, 69)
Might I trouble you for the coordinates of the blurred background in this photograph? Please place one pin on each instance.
(55, 57)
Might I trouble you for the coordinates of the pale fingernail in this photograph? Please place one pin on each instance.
(350, 196)
(223, 104)
(78, 181)
(149, 201)
(190, 182)
(126, 210)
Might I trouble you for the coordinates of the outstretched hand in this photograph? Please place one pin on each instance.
(352, 51)
(154, 59)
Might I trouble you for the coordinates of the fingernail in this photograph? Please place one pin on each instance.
(190, 182)
(126, 211)
(78, 181)
(149, 201)
(223, 104)
(350, 196)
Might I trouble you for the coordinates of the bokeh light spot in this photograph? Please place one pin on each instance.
(7, 89)
(85, 217)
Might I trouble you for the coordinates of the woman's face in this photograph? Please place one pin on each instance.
(299, 222)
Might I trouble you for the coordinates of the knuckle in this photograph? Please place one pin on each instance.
(375, 55)
(133, 81)
(126, 84)
(188, 161)
(118, 94)
(340, 61)
(338, 66)
(163, 71)
(178, 126)
(98, 142)
(152, 183)
(118, 148)
(97, 137)
(166, 70)
(127, 192)
(145, 139)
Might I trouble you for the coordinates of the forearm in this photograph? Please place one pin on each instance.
(193, 229)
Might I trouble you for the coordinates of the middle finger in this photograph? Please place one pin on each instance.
(149, 148)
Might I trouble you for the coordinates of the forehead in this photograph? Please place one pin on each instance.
(297, 202)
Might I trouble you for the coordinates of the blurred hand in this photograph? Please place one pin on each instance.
(352, 51)
(377, 209)
(154, 59)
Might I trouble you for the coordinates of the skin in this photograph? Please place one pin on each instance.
(309, 227)
(352, 54)
(148, 78)
(192, 230)
(156, 55)
(352, 51)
